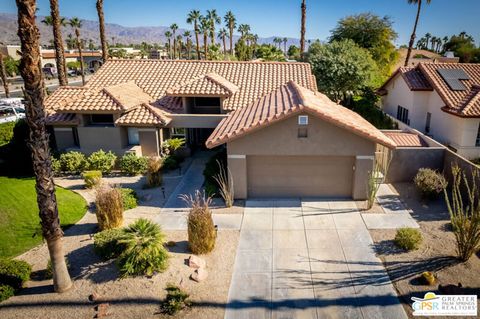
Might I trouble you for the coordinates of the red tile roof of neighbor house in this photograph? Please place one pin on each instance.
(425, 77)
(51, 55)
(241, 83)
(288, 100)
(406, 139)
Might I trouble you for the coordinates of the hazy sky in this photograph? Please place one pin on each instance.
(280, 17)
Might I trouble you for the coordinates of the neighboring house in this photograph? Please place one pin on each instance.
(282, 137)
(92, 59)
(441, 100)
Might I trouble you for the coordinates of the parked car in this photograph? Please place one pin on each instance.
(11, 110)
(49, 72)
(71, 72)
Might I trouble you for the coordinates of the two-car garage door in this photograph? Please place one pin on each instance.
(299, 176)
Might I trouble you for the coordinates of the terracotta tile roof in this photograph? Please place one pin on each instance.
(464, 103)
(62, 119)
(91, 101)
(406, 139)
(144, 115)
(414, 78)
(127, 94)
(51, 55)
(210, 84)
(286, 101)
(253, 79)
(62, 96)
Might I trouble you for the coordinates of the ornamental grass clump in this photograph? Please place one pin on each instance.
(92, 178)
(465, 217)
(429, 183)
(144, 252)
(224, 180)
(201, 229)
(106, 243)
(109, 203)
(154, 173)
(175, 301)
(408, 238)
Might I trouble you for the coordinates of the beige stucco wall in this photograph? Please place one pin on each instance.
(281, 139)
(149, 142)
(93, 138)
(196, 120)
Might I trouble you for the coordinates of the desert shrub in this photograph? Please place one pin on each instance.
(465, 218)
(201, 229)
(429, 183)
(175, 301)
(170, 163)
(132, 164)
(109, 204)
(211, 170)
(6, 132)
(144, 253)
(102, 161)
(49, 269)
(72, 162)
(408, 238)
(171, 145)
(106, 243)
(129, 198)
(56, 166)
(6, 292)
(14, 272)
(92, 178)
(154, 173)
(224, 181)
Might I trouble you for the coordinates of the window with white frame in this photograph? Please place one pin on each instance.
(177, 132)
(303, 120)
(133, 137)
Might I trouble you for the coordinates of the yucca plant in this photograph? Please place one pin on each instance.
(201, 229)
(144, 253)
(225, 183)
(465, 218)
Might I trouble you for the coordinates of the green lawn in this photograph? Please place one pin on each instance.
(19, 219)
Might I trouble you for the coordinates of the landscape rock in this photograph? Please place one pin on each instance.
(199, 275)
(196, 262)
(102, 310)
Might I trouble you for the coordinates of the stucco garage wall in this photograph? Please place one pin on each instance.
(281, 139)
(64, 138)
(93, 138)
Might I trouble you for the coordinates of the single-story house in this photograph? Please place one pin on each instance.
(441, 100)
(283, 138)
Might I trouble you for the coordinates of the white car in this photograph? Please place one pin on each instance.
(11, 110)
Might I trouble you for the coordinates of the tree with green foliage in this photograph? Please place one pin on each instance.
(373, 33)
(342, 68)
(243, 52)
(463, 46)
(268, 52)
(293, 52)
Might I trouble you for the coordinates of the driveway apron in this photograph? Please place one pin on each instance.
(308, 259)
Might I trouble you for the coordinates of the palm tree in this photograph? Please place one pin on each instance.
(174, 28)
(231, 23)
(462, 35)
(70, 41)
(285, 45)
(427, 39)
(57, 22)
(188, 45)
(445, 41)
(205, 29)
(39, 144)
(214, 19)
(194, 17)
(222, 34)
(303, 8)
(3, 75)
(101, 23)
(412, 37)
(76, 24)
(180, 44)
(168, 35)
(244, 29)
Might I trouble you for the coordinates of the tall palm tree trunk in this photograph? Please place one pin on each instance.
(231, 40)
(58, 44)
(205, 45)
(224, 45)
(3, 76)
(103, 38)
(196, 40)
(35, 117)
(80, 53)
(412, 37)
(302, 28)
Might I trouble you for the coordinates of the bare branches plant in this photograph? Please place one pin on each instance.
(225, 184)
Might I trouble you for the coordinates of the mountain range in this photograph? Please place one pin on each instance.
(115, 33)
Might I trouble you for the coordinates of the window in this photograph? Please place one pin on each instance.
(76, 139)
(133, 137)
(101, 119)
(477, 142)
(302, 132)
(207, 101)
(303, 120)
(402, 115)
(177, 132)
(427, 122)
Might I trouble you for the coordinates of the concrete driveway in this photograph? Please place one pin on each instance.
(308, 259)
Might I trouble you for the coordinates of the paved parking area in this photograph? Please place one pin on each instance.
(308, 259)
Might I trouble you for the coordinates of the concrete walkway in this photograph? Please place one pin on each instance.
(396, 215)
(310, 259)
